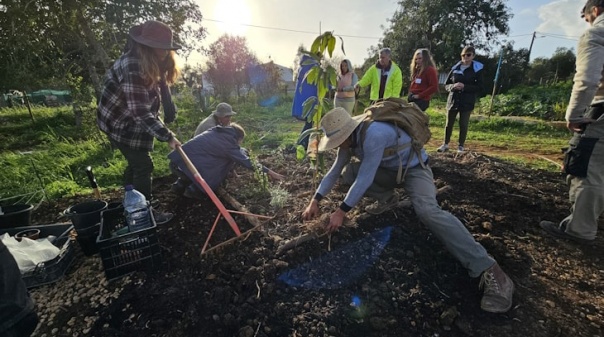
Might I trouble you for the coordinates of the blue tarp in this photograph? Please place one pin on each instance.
(303, 89)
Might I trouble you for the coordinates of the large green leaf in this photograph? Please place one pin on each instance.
(331, 45)
(312, 75)
(314, 48)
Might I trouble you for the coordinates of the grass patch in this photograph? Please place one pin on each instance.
(51, 153)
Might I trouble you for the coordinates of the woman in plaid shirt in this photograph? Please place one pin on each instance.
(128, 109)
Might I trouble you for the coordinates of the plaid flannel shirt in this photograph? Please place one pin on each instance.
(128, 111)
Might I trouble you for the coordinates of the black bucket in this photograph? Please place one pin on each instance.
(86, 214)
(16, 215)
(87, 239)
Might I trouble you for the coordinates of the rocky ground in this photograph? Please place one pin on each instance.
(377, 276)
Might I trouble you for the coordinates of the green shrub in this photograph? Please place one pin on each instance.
(543, 102)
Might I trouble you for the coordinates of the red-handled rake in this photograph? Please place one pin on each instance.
(221, 209)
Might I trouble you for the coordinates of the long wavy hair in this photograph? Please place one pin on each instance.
(153, 69)
(427, 61)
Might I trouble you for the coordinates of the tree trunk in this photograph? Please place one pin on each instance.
(97, 56)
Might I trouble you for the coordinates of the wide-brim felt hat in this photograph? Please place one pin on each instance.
(224, 110)
(337, 125)
(154, 34)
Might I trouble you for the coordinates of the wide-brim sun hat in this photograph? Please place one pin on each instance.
(337, 125)
(154, 34)
(224, 110)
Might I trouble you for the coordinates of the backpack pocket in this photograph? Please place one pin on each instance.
(576, 158)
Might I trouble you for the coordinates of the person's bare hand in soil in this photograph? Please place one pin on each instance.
(311, 211)
(336, 220)
(275, 176)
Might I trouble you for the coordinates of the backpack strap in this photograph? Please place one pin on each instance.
(392, 150)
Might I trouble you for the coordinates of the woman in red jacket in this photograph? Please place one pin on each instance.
(424, 79)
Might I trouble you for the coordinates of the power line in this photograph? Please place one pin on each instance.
(292, 30)
(557, 36)
(560, 35)
(520, 35)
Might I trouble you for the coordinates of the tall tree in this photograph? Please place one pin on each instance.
(562, 63)
(444, 27)
(229, 57)
(560, 67)
(43, 40)
(511, 73)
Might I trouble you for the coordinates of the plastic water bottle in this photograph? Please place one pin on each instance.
(136, 209)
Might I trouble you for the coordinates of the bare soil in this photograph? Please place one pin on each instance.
(383, 275)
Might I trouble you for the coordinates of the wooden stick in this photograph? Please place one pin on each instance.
(549, 160)
(238, 206)
(296, 241)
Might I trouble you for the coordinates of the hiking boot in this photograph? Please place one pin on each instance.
(498, 290)
(557, 231)
(162, 217)
(460, 149)
(381, 207)
(443, 148)
(193, 193)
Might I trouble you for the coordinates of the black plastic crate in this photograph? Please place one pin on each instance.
(50, 271)
(129, 252)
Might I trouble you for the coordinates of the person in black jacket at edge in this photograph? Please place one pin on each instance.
(18, 317)
(463, 84)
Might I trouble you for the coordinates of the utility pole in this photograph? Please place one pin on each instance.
(528, 58)
(495, 81)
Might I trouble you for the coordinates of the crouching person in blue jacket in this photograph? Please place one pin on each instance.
(214, 153)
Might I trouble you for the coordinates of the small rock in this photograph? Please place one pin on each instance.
(448, 317)
(488, 226)
(246, 331)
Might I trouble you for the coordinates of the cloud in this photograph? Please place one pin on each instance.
(561, 17)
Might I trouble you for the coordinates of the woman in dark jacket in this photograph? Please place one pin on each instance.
(463, 83)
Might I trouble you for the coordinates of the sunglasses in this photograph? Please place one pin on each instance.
(467, 55)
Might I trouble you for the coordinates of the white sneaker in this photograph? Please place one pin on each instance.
(443, 148)
(460, 149)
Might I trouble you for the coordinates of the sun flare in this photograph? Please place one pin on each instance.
(234, 15)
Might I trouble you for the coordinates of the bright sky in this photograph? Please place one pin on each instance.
(275, 28)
